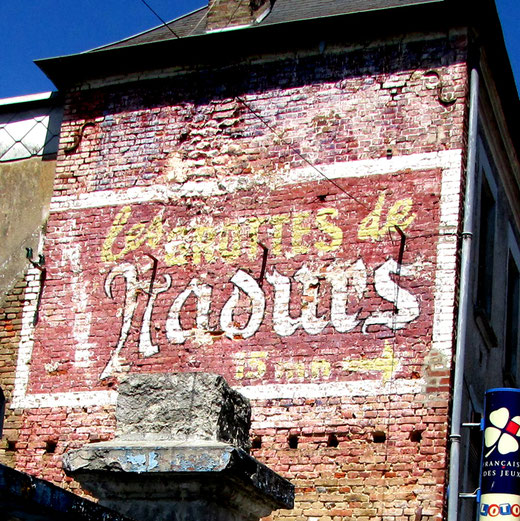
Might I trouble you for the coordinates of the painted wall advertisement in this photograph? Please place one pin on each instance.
(292, 285)
(500, 480)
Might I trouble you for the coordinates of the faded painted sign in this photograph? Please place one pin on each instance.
(299, 283)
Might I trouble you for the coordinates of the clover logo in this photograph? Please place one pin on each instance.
(501, 435)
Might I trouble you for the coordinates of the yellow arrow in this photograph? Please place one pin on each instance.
(386, 363)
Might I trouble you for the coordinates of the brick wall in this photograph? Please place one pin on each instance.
(222, 14)
(188, 234)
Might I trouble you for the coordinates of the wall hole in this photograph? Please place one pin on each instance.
(256, 443)
(332, 441)
(50, 446)
(293, 441)
(11, 445)
(416, 436)
(379, 436)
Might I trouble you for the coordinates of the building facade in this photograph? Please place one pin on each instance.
(29, 134)
(283, 204)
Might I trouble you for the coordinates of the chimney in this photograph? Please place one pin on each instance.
(225, 14)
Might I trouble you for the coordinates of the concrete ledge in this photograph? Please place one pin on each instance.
(127, 464)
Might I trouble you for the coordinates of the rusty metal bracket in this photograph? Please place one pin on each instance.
(43, 277)
(402, 244)
(264, 263)
(154, 274)
(78, 137)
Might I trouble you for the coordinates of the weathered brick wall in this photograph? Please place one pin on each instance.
(11, 323)
(222, 15)
(374, 457)
(340, 333)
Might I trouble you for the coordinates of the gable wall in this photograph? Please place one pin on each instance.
(155, 263)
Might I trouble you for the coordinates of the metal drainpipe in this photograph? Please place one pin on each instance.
(464, 303)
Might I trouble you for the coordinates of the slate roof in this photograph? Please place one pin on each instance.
(283, 11)
(291, 24)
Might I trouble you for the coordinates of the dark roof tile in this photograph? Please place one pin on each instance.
(283, 11)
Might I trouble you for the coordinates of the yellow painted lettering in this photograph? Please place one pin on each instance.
(386, 364)
(107, 253)
(176, 248)
(399, 214)
(299, 231)
(251, 365)
(334, 232)
(204, 244)
(134, 238)
(320, 369)
(278, 222)
(254, 227)
(289, 370)
(369, 227)
(229, 244)
(155, 231)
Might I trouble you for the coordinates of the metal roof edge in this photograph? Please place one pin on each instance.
(255, 25)
(34, 498)
(264, 22)
(30, 101)
(28, 98)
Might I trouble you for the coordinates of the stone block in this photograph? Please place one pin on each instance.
(182, 406)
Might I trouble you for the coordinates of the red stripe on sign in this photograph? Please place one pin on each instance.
(512, 428)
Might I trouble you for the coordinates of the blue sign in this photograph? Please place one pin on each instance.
(500, 472)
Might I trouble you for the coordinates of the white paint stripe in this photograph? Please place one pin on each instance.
(445, 274)
(26, 344)
(227, 185)
(331, 389)
(79, 399)
(449, 161)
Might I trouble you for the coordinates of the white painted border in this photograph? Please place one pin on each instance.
(232, 184)
(330, 389)
(449, 161)
(445, 272)
(20, 397)
(25, 347)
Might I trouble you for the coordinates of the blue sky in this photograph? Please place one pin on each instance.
(34, 29)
